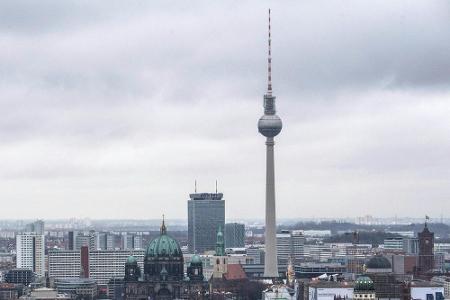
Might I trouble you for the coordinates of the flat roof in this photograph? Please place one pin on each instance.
(206, 196)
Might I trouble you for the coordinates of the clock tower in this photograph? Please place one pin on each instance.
(426, 250)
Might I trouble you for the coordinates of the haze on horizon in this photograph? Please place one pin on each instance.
(112, 109)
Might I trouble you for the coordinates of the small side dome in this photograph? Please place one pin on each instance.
(378, 262)
(363, 284)
(131, 260)
(196, 260)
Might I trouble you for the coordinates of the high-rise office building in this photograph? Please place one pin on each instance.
(89, 240)
(394, 243)
(234, 235)
(290, 245)
(206, 212)
(411, 245)
(36, 227)
(131, 241)
(106, 241)
(30, 247)
(71, 240)
(269, 125)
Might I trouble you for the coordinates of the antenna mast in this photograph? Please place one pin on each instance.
(269, 62)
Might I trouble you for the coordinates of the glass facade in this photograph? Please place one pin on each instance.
(206, 212)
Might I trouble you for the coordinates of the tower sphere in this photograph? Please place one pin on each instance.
(270, 125)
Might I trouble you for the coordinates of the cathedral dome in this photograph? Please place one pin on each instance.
(378, 262)
(364, 283)
(163, 246)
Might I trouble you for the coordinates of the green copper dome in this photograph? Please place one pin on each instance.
(131, 260)
(378, 262)
(196, 260)
(163, 246)
(364, 283)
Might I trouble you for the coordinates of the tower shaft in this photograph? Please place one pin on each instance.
(270, 259)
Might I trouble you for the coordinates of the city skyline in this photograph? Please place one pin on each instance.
(113, 111)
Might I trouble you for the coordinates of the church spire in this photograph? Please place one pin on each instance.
(163, 227)
(220, 245)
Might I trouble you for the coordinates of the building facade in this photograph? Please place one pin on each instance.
(30, 249)
(290, 244)
(100, 265)
(206, 212)
(234, 235)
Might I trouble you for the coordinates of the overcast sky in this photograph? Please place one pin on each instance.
(111, 109)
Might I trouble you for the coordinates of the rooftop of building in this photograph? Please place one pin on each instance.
(378, 262)
(331, 284)
(423, 283)
(235, 272)
(206, 196)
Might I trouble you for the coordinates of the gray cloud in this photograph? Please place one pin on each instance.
(105, 103)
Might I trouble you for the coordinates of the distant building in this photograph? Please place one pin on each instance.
(328, 290)
(64, 263)
(36, 227)
(9, 291)
(206, 212)
(425, 290)
(100, 265)
(403, 264)
(426, 250)
(45, 294)
(105, 241)
(131, 241)
(71, 240)
(78, 288)
(115, 288)
(411, 245)
(290, 244)
(386, 284)
(443, 281)
(234, 235)
(394, 243)
(30, 249)
(89, 240)
(20, 276)
(256, 254)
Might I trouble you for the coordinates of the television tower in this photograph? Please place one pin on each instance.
(269, 125)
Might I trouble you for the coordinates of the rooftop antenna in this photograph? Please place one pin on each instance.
(216, 186)
(269, 63)
(195, 186)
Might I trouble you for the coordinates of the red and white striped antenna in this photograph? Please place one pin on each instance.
(269, 62)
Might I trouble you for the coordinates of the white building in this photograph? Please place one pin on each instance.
(394, 244)
(30, 249)
(328, 290)
(106, 264)
(443, 281)
(290, 244)
(427, 292)
(281, 292)
(319, 252)
(103, 264)
(64, 264)
(131, 241)
(256, 253)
